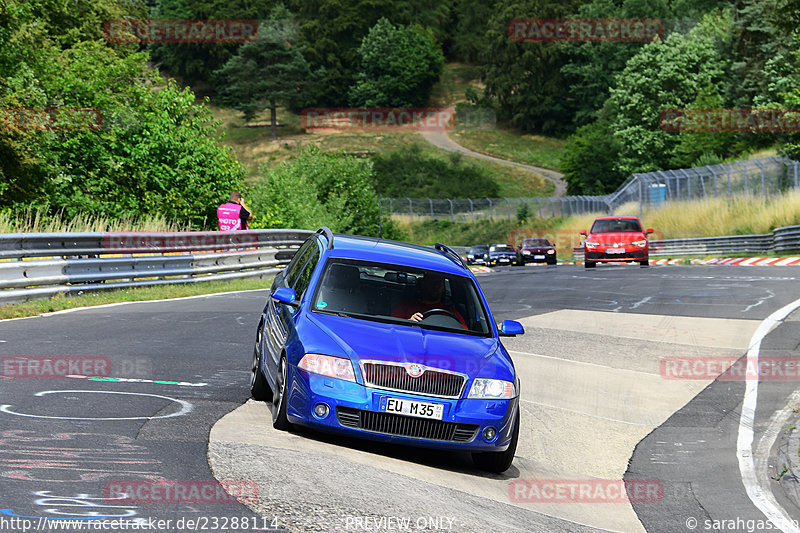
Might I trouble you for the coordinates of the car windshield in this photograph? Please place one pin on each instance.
(393, 293)
(501, 248)
(535, 242)
(612, 225)
(478, 249)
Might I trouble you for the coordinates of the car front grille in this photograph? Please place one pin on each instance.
(398, 377)
(405, 426)
(621, 257)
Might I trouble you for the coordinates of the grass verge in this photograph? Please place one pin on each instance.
(535, 150)
(137, 294)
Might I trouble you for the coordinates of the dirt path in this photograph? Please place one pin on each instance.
(441, 140)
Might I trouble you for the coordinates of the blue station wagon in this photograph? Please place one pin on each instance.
(388, 341)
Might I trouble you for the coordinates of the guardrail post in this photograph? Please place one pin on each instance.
(451, 210)
(491, 210)
(430, 201)
(472, 209)
(410, 209)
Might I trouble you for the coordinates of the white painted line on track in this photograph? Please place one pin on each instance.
(582, 413)
(616, 369)
(114, 304)
(758, 493)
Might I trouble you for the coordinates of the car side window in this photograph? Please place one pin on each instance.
(304, 278)
(299, 259)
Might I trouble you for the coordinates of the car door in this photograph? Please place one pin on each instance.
(279, 317)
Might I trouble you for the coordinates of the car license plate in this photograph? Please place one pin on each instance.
(538, 257)
(615, 250)
(504, 260)
(413, 408)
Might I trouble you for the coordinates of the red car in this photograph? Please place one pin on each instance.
(615, 239)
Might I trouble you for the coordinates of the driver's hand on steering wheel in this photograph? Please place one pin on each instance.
(416, 317)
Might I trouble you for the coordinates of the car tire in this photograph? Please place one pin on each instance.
(644, 263)
(259, 388)
(553, 262)
(499, 462)
(279, 396)
(589, 264)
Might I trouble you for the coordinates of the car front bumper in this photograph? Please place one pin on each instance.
(628, 255)
(354, 410)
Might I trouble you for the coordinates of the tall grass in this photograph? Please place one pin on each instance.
(711, 217)
(39, 220)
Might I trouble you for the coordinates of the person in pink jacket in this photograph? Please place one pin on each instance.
(233, 215)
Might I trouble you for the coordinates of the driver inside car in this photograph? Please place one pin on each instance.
(431, 291)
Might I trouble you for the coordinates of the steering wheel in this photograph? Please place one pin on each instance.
(440, 311)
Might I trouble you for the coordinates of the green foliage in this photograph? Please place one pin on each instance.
(332, 31)
(589, 160)
(399, 66)
(197, 62)
(267, 71)
(664, 75)
(591, 68)
(317, 189)
(414, 174)
(469, 39)
(526, 78)
(156, 153)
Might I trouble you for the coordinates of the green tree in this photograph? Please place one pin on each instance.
(267, 71)
(525, 77)
(589, 160)
(472, 20)
(399, 66)
(196, 62)
(320, 189)
(664, 75)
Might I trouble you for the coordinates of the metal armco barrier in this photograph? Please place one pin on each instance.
(74, 262)
(786, 239)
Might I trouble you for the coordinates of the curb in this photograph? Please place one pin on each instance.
(787, 465)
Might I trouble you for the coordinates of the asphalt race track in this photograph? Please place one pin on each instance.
(139, 414)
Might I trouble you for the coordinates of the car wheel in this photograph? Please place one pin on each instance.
(589, 264)
(279, 397)
(499, 462)
(553, 262)
(644, 263)
(259, 388)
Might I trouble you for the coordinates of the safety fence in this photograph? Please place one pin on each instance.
(40, 265)
(767, 176)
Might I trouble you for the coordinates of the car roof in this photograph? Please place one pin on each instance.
(394, 252)
(617, 218)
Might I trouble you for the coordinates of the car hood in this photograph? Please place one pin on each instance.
(616, 237)
(363, 340)
(538, 250)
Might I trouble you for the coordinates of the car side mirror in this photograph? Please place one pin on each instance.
(649, 231)
(583, 233)
(510, 328)
(286, 295)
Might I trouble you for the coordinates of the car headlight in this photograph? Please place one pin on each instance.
(327, 365)
(551, 251)
(640, 244)
(492, 388)
(526, 252)
(592, 244)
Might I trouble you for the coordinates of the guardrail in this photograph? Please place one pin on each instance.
(96, 261)
(786, 239)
